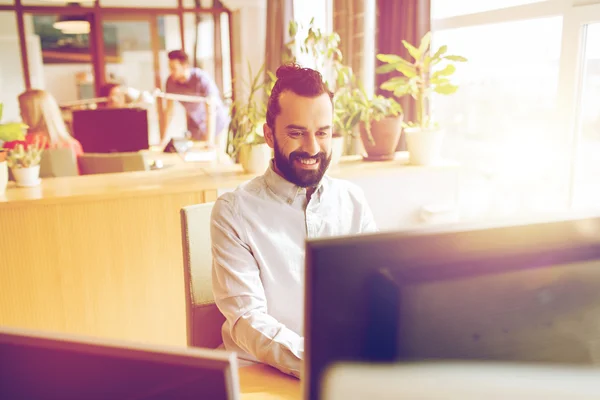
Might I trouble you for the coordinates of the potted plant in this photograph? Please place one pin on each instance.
(323, 49)
(8, 132)
(24, 163)
(425, 75)
(380, 122)
(247, 142)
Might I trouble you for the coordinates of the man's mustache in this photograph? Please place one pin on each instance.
(297, 155)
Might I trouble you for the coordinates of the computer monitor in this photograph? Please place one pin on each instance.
(520, 293)
(111, 130)
(36, 365)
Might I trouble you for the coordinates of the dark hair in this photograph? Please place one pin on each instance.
(107, 87)
(302, 81)
(178, 55)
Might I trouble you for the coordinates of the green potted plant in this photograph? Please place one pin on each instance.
(323, 48)
(247, 142)
(426, 74)
(24, 163)
(380, 123)
(8, 132)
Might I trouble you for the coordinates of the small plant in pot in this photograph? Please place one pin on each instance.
(247, 143)
(427, 74)
(24, 163)
(9, 132)
(380, 122)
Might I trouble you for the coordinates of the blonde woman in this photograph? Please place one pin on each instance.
(41, 114)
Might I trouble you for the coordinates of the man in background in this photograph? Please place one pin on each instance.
(185, 80)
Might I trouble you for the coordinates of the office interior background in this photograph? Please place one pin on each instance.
(524, 124)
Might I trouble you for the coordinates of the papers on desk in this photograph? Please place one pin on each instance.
(461, 381)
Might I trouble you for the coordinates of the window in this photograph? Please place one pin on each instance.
(505, 122)
(451, 8)
(586, 182)
(304, 12)
(11, 70)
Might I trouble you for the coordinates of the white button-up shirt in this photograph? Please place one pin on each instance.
(258, 237)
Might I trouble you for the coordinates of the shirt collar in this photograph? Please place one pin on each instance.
(286, 189)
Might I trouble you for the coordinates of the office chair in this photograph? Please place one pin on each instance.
(105, 163)
(203, 318)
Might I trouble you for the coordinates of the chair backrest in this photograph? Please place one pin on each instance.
(204, 320)
(58, 162)
(104, 163)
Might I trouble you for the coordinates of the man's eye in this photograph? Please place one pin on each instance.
(295, 133)
(322, 134)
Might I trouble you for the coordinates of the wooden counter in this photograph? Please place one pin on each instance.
(101, 255)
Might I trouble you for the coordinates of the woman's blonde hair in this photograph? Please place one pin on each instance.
(41, 113)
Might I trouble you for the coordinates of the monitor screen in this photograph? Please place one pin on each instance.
(111, 130)
(520, 293)
(36, 365)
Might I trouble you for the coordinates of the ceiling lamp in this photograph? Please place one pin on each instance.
(73, 24)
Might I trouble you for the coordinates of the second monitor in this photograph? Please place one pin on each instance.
(522, 293)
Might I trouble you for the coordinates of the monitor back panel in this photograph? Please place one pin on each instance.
(111, 130)
(41, 368)
(519, 293)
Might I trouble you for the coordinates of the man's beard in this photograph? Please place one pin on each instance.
(301, 177)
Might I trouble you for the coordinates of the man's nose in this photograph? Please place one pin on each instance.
(311, 145)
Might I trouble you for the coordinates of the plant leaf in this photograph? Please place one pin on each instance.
(455, 58)
(425, 42)
(390, 58)
(412, 50)
(446, 89)
(384, 69)
(446, 71)
(442, 50)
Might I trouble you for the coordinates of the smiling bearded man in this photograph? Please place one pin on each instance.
(259, 230)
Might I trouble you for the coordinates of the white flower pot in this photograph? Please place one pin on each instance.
(337, 149)
(3, 176)
(27, 177)
(255, 158)
(424, 145)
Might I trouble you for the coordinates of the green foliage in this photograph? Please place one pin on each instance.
(424, 75)
(249, 115)
(25, 156)
(11, 131)
(324, 49)
(364, 108)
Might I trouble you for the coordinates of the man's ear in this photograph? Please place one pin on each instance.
(268, 133)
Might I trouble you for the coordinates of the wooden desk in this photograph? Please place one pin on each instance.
(261, 382)
(101, 255)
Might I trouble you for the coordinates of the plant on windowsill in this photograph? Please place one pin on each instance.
(427, 74)
(379, 119)
(247, 142)
(24, 162)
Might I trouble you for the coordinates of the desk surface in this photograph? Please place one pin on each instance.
(176, 177)
(261, 382)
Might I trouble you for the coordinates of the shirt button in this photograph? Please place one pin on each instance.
(290, 201)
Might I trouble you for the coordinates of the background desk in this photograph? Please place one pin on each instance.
(101, 255)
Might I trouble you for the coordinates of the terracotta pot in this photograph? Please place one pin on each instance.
(386, 134)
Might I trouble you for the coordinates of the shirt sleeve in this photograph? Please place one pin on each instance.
(240, 296)
(207, 86)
